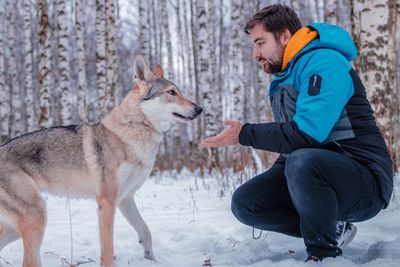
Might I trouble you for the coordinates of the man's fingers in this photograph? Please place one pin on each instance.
(231, 122)
(213, 139)
(207, 143)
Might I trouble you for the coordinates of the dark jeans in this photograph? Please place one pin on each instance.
(305, 194)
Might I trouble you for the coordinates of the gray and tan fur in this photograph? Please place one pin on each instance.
(107, 161)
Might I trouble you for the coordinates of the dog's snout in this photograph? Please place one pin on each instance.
(198, 109)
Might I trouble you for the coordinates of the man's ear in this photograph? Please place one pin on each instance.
(141, 70)
(159, 72)
(285, 37)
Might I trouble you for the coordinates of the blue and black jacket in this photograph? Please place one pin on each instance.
(319, 101)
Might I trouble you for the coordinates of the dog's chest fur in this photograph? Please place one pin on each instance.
(132, 175)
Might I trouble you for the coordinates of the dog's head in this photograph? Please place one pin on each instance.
(161, 100)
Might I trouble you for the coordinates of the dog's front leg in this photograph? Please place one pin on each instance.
(106, 224)
(128, 208)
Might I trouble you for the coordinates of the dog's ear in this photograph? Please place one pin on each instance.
(141, 70)
(159, 72)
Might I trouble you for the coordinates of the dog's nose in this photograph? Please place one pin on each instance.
(198, 109)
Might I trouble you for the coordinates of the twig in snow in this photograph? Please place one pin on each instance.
(64, 261)
(9, 264)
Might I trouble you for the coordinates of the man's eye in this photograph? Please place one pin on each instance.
(171, 92)
(260, 43)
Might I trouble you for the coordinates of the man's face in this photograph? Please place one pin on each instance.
(267, 50)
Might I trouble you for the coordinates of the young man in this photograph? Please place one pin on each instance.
(334, 164)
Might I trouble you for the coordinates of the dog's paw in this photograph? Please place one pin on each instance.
(150, 256)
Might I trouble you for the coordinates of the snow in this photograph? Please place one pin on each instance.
(191, 223)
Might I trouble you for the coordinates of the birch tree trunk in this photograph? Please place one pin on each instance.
(63, 62)
(331, 11)
(4, 88)
(164, 12)
(101, 65)
(144, 37)
(295, 5)
(30, 105)
(208, 94)
(236, 71)
(374, 29)
(82, 81)
(344, 15)
(112, 67)
(17, 127)
(44, 65)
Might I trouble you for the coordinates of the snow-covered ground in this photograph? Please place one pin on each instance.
(192, 226)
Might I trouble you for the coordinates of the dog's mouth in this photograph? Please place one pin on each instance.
(185, 118)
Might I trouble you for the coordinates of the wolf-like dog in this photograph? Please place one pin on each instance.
(107, 161)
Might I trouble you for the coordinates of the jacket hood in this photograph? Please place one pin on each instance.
(319, 35)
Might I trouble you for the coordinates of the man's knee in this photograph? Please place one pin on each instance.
(300, 162)
(238, 206)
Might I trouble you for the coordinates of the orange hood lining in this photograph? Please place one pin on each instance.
(298, 41)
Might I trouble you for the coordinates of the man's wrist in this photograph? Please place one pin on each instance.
(244, 135)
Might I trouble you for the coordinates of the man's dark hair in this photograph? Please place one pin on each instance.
(275, 19)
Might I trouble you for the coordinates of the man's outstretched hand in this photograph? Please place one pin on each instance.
(229, 136)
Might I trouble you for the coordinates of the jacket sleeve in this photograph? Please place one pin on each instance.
(277, 137)
(317, 111)
(318, 107)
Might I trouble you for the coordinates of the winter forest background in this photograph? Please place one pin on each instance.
(70, 61)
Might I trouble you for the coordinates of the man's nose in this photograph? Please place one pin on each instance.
(256, 54)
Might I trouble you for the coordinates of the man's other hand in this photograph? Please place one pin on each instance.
(229, 136)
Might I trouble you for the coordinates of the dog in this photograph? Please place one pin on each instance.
(108, 161)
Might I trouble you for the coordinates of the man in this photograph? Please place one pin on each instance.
(334, 164)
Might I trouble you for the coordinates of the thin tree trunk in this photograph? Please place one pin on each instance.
(30, 107)
(236, 71)
(45, 65)
(330, 11)
(344, 14)
(144, 37)
(82, 80)
(101, 65)
(164, 11)
(17, 127)
(63, 62)
(112, 64)
(4, 88)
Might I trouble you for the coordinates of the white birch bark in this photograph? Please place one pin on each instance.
(396, 182)
(375, 32)
(144, 37)
(44, 65)
(204, 81)
(210, 96)
(331, 11)
(313, 9)
(4, 88)
(101, 65)
(17, 127)
(295, 5)
(30, 107)
(236, 56)
(236, 72)
(168, 42)
(82, 80)
(344, 14)
(63, 63)
(112, 67)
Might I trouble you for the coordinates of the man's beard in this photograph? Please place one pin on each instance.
(274, 65)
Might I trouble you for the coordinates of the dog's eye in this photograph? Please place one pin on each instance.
(171, 92)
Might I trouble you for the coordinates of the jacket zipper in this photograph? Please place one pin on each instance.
(285, 115)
